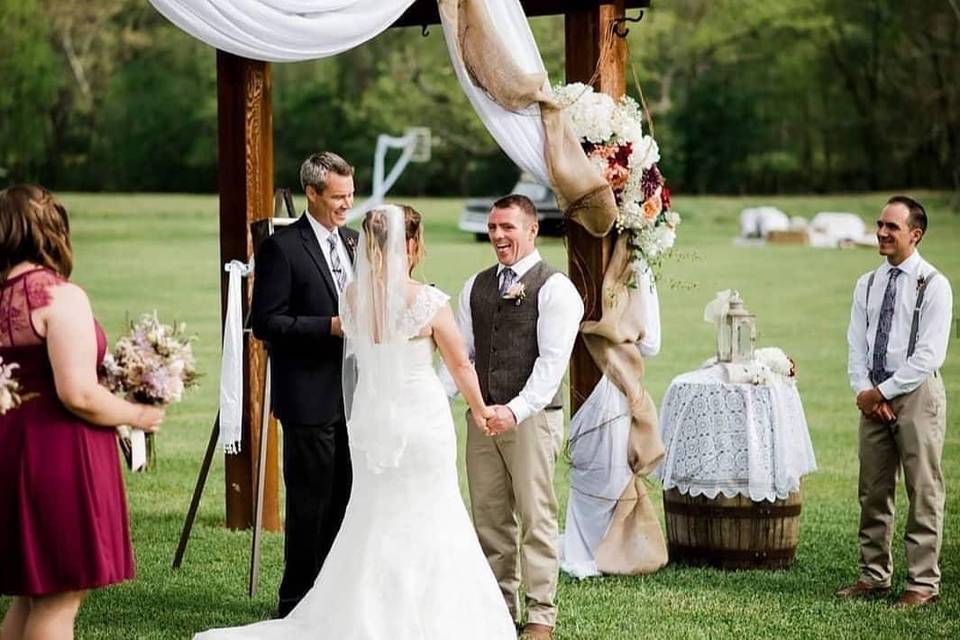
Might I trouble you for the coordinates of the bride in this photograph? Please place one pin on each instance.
(406, 564)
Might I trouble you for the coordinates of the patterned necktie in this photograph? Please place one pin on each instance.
(335, 265)
(509, 277)
(884, 323)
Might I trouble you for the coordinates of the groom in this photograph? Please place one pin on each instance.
(519, 319)
(300, 273)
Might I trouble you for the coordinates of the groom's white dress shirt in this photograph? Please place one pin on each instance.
(932, 337)
(323, 237)
(560, 310)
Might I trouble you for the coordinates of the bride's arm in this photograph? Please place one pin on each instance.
(450, 343)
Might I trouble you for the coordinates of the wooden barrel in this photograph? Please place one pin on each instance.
(732, 533)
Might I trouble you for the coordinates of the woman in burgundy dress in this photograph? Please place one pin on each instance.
(63, 514)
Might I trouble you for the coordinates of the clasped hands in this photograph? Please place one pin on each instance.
(495, 419)
(873, 405)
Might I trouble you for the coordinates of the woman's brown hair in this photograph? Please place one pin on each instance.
(413, 222)
(33, 228)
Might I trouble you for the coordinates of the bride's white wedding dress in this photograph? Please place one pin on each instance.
(406, 564)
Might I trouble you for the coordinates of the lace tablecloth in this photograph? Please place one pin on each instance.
(733, 438)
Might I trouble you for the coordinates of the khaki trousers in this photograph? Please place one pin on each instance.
(915, 443)
(515, 509)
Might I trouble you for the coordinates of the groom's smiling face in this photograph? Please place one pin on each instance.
(513, 234)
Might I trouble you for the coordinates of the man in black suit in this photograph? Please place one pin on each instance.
(300, 273)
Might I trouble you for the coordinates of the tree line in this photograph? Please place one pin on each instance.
(744, 97)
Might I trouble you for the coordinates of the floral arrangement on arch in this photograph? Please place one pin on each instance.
(611, 134)
(9, 387)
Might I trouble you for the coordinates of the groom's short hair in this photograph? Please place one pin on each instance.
(314, 170)
(519, 201)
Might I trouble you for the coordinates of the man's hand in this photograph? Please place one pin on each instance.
(480, 419)
(503, 420)
(336, 329)
(884, 413)
(868, 401)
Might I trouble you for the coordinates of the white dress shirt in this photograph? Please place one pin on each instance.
(559, 310)
(323, 237)
(932, 336)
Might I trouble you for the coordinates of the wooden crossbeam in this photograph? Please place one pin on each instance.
(425, 12)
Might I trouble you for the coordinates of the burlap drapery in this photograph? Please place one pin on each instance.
(634, 542)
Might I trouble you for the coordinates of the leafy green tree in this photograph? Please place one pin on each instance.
(31, 81)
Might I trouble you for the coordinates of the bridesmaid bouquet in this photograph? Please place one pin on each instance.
(9, 387)
(152, 364)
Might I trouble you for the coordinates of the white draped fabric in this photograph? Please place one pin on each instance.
(283, 30)
(599, 472)
(520, 135)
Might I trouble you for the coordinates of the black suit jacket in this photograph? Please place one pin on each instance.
(294, 299)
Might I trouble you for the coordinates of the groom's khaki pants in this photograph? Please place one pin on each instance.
(515, 509)
(915, 442)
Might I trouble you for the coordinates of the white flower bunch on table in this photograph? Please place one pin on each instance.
(772, 366)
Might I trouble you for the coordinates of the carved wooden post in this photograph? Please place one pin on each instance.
(591, 47)
(246, 194)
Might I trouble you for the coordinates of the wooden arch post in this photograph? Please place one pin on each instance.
(245, 114)
(593, 53)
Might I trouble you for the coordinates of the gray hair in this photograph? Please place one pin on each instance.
(313, 171)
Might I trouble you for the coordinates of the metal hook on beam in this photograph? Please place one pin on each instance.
(425, 30)
(619, 25)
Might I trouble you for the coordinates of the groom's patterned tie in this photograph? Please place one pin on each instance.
(335, 265)
(509, 277)
(884, 323)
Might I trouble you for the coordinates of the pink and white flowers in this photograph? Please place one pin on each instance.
(611, 134)
(9, 387)
(153, 364)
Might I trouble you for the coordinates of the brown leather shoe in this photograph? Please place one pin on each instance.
(862, 589)
(535, 631)
(910, 599)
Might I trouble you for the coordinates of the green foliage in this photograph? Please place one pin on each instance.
(747, 96)
(137, 253)
(31, 80)
(157, 123)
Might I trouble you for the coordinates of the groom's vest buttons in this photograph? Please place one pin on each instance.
(505, 334)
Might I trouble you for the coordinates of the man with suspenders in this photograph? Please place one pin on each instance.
(898, 334)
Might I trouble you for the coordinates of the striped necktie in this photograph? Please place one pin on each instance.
(335, 265)
(884, 324)
(509, 277)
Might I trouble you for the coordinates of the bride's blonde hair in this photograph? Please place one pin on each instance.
(375, 226)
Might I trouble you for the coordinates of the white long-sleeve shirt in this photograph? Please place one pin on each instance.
(323, 237)
(932, 336)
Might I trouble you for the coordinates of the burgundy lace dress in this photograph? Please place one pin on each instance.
(63, 514)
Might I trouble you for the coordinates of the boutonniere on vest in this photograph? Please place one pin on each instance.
(517, 291)
(351, 243)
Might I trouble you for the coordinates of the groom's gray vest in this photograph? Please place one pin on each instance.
(505, 334)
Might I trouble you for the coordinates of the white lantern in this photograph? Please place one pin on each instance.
(736, 332)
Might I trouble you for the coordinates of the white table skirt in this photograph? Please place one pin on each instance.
(733, 438)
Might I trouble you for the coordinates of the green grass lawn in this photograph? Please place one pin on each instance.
(141, 252)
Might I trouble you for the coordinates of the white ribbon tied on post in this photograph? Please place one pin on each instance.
(231, 366)
(718, 308)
